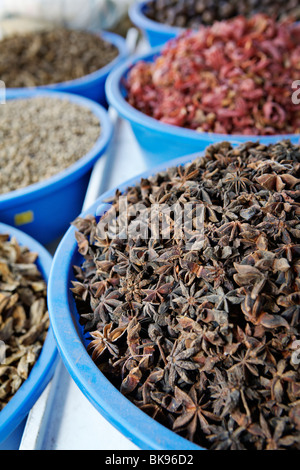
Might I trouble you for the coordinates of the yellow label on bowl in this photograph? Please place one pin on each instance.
(24, 218)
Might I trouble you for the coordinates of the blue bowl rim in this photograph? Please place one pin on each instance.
(137, 16)
(133, 423)
(21, 403)
(114, 91)
(74, 171)
(86, 80)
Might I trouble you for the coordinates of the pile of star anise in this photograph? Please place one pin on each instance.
(205, 340)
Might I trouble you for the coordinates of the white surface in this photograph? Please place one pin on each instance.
(63, 418)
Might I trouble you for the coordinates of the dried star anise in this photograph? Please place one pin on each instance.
(200, 329)
(105, 340)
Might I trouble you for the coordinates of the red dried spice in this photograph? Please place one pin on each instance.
(234, 77)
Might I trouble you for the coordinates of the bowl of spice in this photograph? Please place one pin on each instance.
(233, 80)
(162, 20)
(174, 301)
(49, 144)
(63, 60)
(27, 345)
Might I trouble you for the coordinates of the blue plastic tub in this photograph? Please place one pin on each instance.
(91, 86)
(15, 412)
(156, 33)
(71, 341)
(44, 210)
(163, 142)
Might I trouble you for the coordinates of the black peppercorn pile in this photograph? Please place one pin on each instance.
(205, 338)
(192, 13)
(49, 57)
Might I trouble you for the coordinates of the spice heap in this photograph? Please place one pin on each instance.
(205, 340)
(23, 315)
(233, 78)
(41, 137)
(49, 57)
(192, 13)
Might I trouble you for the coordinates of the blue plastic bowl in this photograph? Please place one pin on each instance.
(156, 33)
(162, 142)
(91, 86)
(71, 341)
(44, 210)
(15, 412)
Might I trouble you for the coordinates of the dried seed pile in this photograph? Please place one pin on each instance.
(41, 137)
(60, 55)
(205, 340)
(192, 13)
(234, 77)
(24, 318)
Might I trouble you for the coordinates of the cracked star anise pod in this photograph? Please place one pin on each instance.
(105, 341)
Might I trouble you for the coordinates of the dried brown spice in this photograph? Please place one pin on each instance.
(234, 77)
(204, 336)
(24, 320)
(192, 13)
(49, 57)
(52, 135)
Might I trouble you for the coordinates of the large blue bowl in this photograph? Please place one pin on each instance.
(90, 86)
(15, 412)
(156, 33)
(142, 430)
(162, 142)
(44, 210)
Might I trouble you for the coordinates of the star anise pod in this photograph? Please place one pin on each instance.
(106, 304)
(251, 276)
(290, 251)
(180, 363)
(237, 181)
(281, 374)
(132, 287)
(226, 437)
(156, 294)
(255, 312)
(278, 228)
(195, 411)
(185, 175)
(248, 362)
(187, 300)
(275, 182)
(273, 437)
(86, 225)
(291, 303)
(225, 398)
(222, 299)
(105, 341)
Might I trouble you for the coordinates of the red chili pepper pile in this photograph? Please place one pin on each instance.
(234, 77)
